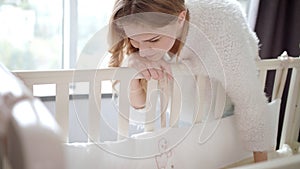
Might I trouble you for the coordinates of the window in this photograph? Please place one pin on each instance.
(245, 4)
(30, 34)
(41, 34)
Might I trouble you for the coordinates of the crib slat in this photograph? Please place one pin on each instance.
(62, 108)
(175, 105)
(164, 100)
(212, 100)
(94, 111)
(200, 99)
(220, 101)
(279, 83)
(152, 95)
(123, 116)
(262, 77)
(292, 112)
(282, 82)
(276, 82)
(163, 107)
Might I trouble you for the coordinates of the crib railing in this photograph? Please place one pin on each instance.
(291, 122)
(63, 78)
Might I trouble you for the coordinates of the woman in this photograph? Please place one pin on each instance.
(154, 32)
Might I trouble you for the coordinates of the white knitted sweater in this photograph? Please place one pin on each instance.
(220, 44)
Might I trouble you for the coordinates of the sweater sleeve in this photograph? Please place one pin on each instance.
(236, 47)
(244, 88)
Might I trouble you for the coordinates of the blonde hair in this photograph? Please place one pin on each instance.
(120, 44)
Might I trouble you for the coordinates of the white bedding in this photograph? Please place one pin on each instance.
(167, 148)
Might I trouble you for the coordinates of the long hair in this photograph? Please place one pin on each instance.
(120, 44)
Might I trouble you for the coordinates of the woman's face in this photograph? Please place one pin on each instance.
(153, 43)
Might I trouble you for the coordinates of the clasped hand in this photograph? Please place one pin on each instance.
(150, 69)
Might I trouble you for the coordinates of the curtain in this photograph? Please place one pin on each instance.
(278, 29)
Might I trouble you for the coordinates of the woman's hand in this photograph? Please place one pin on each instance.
(150, 69)
(156, 70)
(260, 156)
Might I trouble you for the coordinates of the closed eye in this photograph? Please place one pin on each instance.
(154, 40)
(135, 43)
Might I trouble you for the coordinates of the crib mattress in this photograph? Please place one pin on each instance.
(207, 145)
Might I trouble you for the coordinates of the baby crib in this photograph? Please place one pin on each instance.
(167, 145)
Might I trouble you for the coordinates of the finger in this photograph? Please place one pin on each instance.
(146, 74)
(157, 73)
(142, 70)
(160, 74)
(153, 73)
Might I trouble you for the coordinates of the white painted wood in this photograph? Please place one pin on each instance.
(291, 123)
(164, 97)
(123, 117)
(277, 81)
(94, 113)
(62, 79)
(292, 118)
(151, 105)
(282, 83)
(262, 77)
(220, 101)
(62, 108)
(200, 106)
(176, 105)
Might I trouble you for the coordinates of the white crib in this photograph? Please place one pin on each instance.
(166, 146)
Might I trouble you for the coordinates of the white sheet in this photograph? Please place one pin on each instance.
(167, 148)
